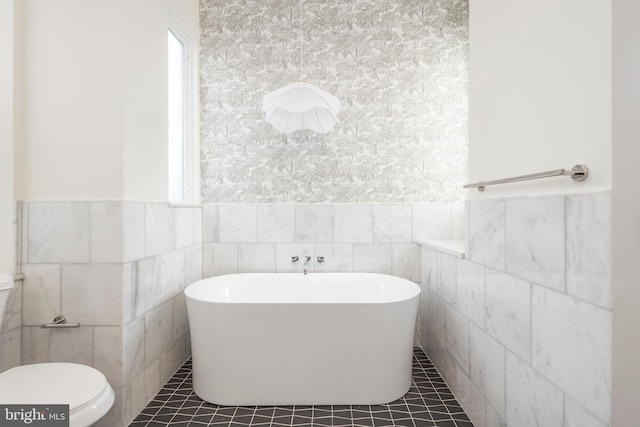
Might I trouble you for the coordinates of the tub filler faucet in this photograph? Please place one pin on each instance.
(307, 259)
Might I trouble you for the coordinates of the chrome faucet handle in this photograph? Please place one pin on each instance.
(307, 259)
(294, 259)
(320, 259)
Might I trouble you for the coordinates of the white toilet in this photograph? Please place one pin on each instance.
(83, 388)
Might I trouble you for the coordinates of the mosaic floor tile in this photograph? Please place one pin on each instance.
(429, 403)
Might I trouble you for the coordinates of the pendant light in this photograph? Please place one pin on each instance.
(301, 105)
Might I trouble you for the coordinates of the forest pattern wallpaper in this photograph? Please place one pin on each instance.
(399, 68)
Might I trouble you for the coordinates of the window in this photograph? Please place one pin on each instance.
(176, 119)
(183, 152)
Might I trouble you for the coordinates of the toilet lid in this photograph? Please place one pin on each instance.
(51, 383)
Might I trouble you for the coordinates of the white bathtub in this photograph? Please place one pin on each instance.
(290, 339)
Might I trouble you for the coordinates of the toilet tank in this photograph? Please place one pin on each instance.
(6, 284)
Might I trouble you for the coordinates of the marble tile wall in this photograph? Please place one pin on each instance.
(10, 328)
(377, 238)
(119, 269)
(521, 330)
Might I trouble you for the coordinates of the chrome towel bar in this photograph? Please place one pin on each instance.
(577, 173)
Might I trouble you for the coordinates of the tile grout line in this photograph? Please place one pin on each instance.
(166, 401)
(184, 401)
(424, 403)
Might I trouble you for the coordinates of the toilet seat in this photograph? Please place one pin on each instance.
(83, 388)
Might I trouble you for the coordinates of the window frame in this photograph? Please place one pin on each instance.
(190, 106)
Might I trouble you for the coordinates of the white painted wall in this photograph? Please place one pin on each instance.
(91, 123)
(96, 98)
(74, 99)
(540, 93)
(145, 100)
(10, 128)
(626, 212)
(187, 13)
(6, 136)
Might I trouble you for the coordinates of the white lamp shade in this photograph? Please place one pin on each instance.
(301, 106)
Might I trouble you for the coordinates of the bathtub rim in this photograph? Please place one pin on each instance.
(412, 289)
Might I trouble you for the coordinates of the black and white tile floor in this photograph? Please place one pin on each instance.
(429, 403)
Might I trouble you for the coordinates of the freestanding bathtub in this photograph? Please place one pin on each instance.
(290, 339)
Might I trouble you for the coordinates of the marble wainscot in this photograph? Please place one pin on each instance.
(521, 326)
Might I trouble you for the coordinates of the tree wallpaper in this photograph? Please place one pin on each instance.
(399, 68)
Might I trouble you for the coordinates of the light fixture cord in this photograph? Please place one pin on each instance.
(301, 40)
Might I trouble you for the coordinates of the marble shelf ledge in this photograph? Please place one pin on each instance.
(451, 247)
